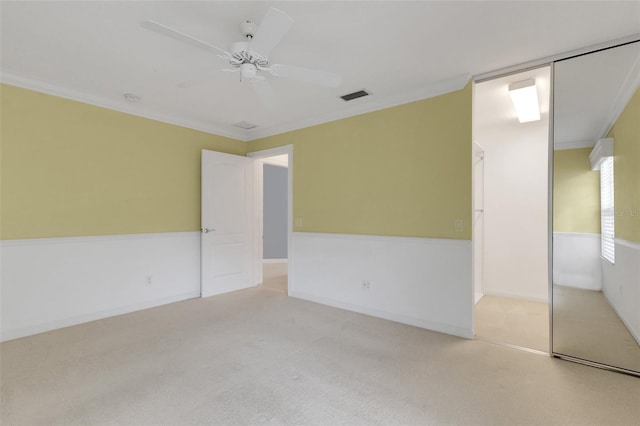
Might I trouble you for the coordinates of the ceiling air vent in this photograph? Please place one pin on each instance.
(245, 125)
(355, 95)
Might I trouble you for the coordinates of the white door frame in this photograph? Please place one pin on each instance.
(286, 149)
(477, 228)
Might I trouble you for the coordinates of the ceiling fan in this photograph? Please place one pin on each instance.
(250, 58)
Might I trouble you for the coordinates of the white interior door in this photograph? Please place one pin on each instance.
(227, 252)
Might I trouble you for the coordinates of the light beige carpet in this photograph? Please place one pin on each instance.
(274, 276)
(586, 326)
(258, 357)
(514, 322)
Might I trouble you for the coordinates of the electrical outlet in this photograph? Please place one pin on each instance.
(366, 285)
(298, 222)
(149, 279)
(458, 225)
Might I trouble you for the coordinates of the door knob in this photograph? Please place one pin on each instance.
(207, 230)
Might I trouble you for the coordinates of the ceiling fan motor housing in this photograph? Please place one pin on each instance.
(241, 54)
(249, 57)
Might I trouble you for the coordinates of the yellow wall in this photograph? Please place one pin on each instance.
(576, 192)
(71, 169)
(402, 171)
(626, 170)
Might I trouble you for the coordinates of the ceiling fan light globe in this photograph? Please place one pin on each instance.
(248, 71)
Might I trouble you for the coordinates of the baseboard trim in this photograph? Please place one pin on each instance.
(416, 322)
(520, 348)
(620, 284)
(94, 316)
(633, 332)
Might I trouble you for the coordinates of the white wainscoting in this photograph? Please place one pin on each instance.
(57, 282)
(419, 281)
(576, 260)
(621, 284)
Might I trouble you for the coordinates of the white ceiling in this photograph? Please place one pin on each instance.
(495, 118)
(400, 51)
(590, 91)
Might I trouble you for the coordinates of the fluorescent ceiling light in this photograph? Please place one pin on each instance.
(525, 100)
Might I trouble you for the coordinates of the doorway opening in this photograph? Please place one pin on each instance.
(510, 211)
(274, 222)
(274, 212)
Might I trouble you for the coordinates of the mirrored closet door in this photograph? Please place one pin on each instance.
(596, 208)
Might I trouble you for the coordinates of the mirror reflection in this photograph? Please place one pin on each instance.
(596, 207)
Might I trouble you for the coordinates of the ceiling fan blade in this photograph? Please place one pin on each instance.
(321, 78)
(273, 27)
(265, 93)
(182, 37)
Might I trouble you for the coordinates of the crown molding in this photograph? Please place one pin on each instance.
(547, 60)
(438, 88)
(131, 109)
(629, 87)
(560, 146)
